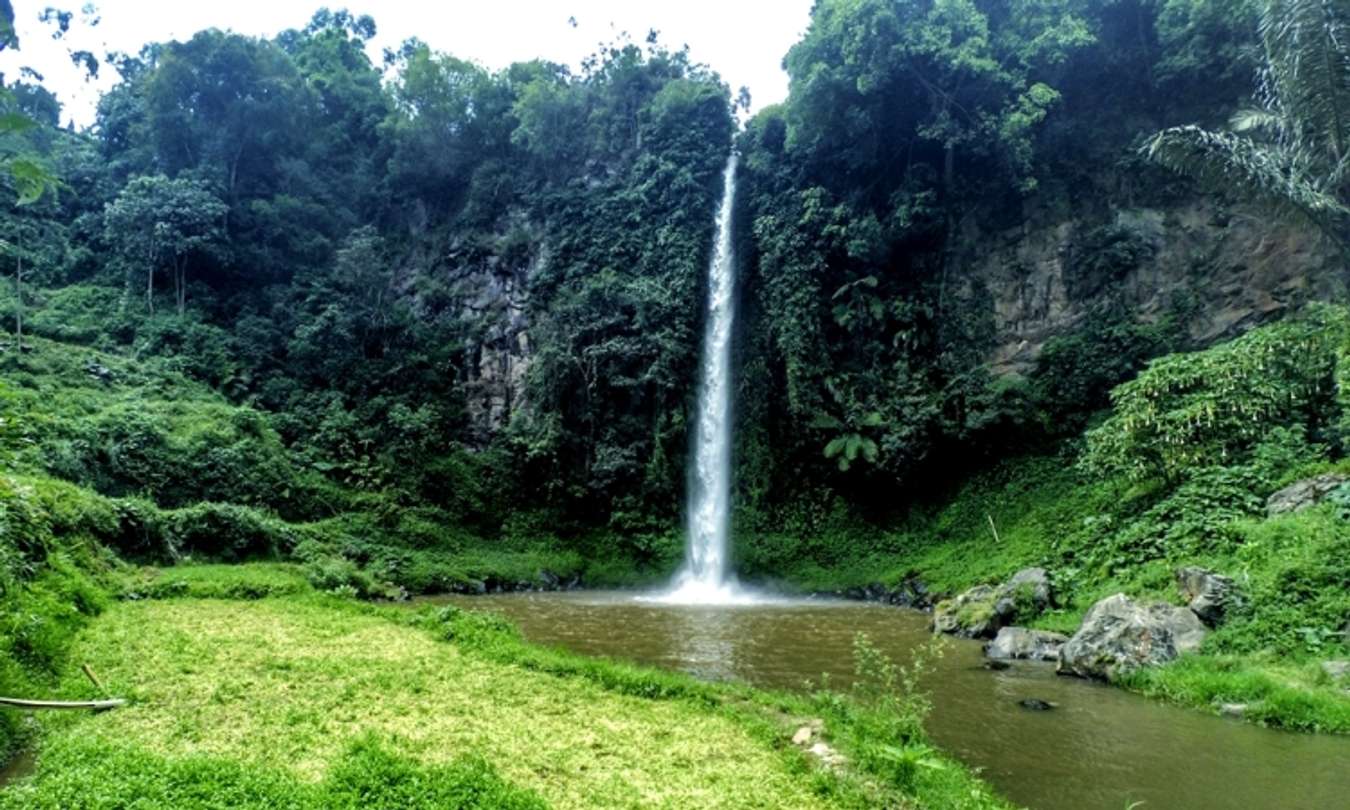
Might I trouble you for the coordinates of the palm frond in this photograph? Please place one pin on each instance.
(1307, 75)
(1258, 120)
(1273, 174)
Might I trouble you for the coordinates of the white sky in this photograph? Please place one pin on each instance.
(745, 41)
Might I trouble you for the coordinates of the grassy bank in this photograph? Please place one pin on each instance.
(1100, 537)
(306, 700)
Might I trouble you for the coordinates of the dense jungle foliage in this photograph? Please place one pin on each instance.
(252, 313)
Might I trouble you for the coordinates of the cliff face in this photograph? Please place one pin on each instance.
(485, 290)
(1223, 271)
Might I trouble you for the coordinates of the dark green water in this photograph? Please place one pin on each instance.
(1101, 749)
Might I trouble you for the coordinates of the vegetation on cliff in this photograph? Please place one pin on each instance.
(433, 328)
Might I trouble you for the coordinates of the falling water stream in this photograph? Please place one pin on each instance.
(704, 579)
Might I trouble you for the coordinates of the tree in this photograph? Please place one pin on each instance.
(156, 220)
(1292, 152)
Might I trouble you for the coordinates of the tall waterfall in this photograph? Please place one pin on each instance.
(705, 578)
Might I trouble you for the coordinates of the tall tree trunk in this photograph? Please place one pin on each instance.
(180, 283)
(150, 287)
(18, 297)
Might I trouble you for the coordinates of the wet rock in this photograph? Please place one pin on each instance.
(1209, 595)
(1120, 635)
(549, 581)
(997, 665)
(971, 614)
(1304, 494)
(911, 593)
(1019, 643)
(1235, 710)
(983, 610)
(1036, 705)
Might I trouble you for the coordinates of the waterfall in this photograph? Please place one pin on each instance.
(705, 579)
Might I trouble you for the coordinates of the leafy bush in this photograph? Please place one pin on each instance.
(223, 531)
(1209, 408)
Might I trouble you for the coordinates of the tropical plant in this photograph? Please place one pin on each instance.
(1186, 412)
(1292, 151)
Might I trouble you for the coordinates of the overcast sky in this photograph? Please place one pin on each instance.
(744, 41)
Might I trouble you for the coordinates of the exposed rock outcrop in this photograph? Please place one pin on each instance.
(1209, 595)
(1019, 643)
(1120, 635)
(985, 609)
(1043, 278)
(1304, 494)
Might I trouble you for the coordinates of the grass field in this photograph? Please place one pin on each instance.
(305, 701)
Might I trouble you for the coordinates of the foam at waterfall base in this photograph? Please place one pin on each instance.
(696, 592)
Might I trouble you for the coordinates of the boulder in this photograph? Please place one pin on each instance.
(1029, 588)
(985, 609)
(1208, 595)
(971, 614)
(1304, 494)
(1120, 635)
(910, 593)
(1019, 643)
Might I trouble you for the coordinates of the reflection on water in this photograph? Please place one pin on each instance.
(1100, 749)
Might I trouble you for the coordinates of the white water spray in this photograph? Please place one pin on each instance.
(704, 579)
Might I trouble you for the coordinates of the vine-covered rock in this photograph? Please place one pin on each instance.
(985, 609)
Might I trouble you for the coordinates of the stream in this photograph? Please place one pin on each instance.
(1101, 748)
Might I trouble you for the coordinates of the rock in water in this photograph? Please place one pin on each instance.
(1120, 635)
(983, 610)
(1036, 705)
(1019, 643)
(1304, 494)
(1209, 594)
(971, 614)
(1237, 710)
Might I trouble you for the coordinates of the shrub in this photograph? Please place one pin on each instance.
(1204, 409)
(222, 531)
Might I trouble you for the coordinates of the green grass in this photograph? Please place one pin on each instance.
(308, 701)
(1277, 693)
(255, 581)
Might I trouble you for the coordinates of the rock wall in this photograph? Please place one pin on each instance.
(1230, 270)
(491, 295)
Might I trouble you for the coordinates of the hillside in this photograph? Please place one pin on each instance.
(290, 337)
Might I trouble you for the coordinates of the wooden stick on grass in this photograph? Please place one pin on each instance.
(62, 704)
